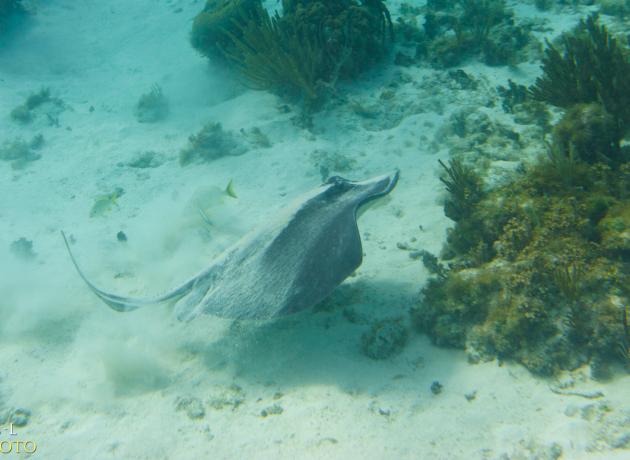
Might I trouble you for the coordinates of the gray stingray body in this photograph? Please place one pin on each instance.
(291, 263)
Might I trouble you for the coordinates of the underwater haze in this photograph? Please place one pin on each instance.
(315, 229)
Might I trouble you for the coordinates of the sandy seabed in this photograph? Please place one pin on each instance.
(96, 384)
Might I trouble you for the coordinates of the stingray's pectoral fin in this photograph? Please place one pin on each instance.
(120, 303)
(188, 307)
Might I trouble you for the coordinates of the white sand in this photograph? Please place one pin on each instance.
(104, 385)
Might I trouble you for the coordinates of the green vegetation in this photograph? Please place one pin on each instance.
(24, 113)
(538, 270)
(20, 153)
(619, 8)
(210, 144)
(218, 19)
(464, 188)
(589, 66)
(39, 103)
(152, 106)
(301, 54)
(462, 29)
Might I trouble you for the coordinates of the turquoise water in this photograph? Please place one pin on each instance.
(241, 167)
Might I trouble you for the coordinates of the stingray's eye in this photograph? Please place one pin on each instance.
(334, 180)
(339, 184)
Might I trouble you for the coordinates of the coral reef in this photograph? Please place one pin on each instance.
(589, 66)
(210, 144)
(518, 101)
(587, 132)
(302, 53)
(464, 188)
(152, 106)
(537, 270)
(385, 339)
(219, 19)
(469, 28)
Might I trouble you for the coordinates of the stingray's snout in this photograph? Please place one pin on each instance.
(380, 185)
(393, 180)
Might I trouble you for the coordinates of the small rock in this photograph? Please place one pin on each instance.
(20, 417)
(471, 396)
(208, 432)
(23, 249)
(276, 409)
(436, 387)
(385, 339)
(403, 246)
(621, 442)
(192, 406)
(377, 409)
(232, 397)
(571, 411)
(121, 236)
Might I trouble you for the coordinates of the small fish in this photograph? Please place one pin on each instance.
(229, 190)
(104, 203)
(212, 198)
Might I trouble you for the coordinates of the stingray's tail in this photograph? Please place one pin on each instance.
(123, 304)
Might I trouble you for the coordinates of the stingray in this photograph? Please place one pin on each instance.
(289, 264)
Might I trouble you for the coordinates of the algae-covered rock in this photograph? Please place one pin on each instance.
(231, 397)
(147, 159)
(537, 269)
(41, 102)
(20, 153)
(211, 143)
(615, 229)
(385, 339)
(19, 417)
(587, 132)
(275, 409)
(193, 407)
